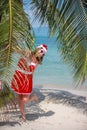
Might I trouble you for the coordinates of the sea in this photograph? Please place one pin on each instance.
(53, 70)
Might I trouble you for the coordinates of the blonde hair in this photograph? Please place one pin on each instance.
(27, 53)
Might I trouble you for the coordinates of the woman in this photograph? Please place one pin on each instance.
(22, 80)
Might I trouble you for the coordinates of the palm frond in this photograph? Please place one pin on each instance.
(67, 20)
(15, 30)
(8, 103)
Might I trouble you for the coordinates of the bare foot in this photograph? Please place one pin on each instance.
(22, 119)
(35, 98)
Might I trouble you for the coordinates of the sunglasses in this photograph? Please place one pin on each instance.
(42, 51)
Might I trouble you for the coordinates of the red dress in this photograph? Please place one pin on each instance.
(22, 79)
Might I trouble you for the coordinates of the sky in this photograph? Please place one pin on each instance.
(35, 23)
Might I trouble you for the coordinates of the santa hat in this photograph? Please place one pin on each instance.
(44, 47)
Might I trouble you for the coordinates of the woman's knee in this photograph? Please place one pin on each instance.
(25, 99)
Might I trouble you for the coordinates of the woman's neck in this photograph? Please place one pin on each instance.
(33, 58)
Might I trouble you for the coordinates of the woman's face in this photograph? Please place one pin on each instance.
(40, 52)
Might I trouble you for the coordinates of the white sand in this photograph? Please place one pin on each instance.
(57, 109)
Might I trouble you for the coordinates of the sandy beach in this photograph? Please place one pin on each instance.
(57, 109)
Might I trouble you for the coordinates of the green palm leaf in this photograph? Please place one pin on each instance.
(15, 32)
(67, 20)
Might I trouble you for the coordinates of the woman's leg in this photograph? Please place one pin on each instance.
(21, 106)
(22, 99)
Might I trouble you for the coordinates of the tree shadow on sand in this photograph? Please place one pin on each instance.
(34, 110)
(29, 117)
(64, 97)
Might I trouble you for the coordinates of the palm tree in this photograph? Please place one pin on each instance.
(67, 20)
(15, 33)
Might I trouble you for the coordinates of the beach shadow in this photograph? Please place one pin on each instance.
(34, 110)
(29, 117)
(66, 98)
(9, 123)
(35, 116)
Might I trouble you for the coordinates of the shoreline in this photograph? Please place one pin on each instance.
(58, 109)
(72, 88)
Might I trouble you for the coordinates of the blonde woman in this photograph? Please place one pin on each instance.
(22, 80)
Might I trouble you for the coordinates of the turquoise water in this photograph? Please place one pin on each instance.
(53, 70)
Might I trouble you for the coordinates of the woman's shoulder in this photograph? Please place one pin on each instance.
(34, 64)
